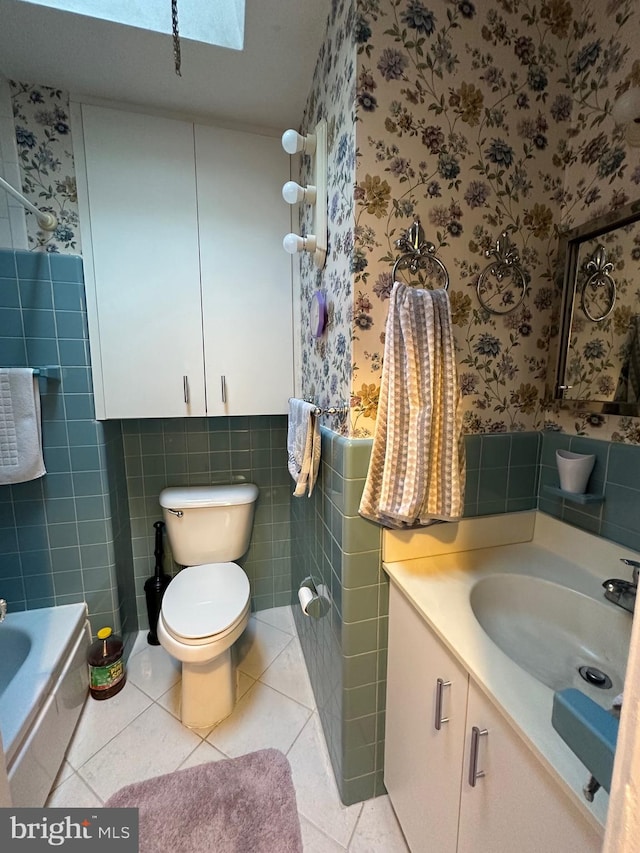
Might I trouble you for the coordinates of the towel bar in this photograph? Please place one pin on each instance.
(332, 410)
(50, 372)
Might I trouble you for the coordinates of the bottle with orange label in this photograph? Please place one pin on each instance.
(107, 674)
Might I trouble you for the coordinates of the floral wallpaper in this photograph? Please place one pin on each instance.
(45, 152)
(479, 118)
(326, 361)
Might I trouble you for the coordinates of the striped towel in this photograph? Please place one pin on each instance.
(303, 445)
(416, 470)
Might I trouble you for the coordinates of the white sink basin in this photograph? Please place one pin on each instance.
(551, 631)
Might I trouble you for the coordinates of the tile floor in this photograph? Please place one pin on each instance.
(137, 734)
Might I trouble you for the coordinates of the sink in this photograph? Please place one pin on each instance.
(552, 631)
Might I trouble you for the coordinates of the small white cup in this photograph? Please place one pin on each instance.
(575, 470)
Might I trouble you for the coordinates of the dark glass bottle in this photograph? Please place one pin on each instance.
(107, 675)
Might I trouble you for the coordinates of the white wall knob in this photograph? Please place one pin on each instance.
(293, 193)
(294, 243)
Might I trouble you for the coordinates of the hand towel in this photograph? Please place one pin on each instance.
(416, 470)
(20, 427)
(303, 445)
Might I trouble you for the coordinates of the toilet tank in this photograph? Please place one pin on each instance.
(209, 524)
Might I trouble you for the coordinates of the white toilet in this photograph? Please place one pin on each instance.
(206, 606)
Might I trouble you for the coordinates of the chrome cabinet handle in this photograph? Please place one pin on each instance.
(474, 773)
(223, 388)
(185, 388)
(439, 720)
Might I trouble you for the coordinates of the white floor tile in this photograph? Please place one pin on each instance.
(288, 675)
(263, 718)
(104, 719)
(63, 774)
(140, 643)
(243, 683)
(153, 744)
(377, 830)
(316, 790)
(258, 647)
(278, 617)
(202, 754)
(153, 670)
(73, 793)
(315, 841)
(170, 700)
(132, 737)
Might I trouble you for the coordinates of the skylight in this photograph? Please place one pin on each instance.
(217, 23)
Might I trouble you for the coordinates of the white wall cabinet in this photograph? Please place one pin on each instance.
(188, 288)
(514, 805)
(246, 274)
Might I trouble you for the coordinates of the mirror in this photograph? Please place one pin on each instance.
(599, 354)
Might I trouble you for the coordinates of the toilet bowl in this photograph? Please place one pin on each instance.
(206, 606)
(204, 611)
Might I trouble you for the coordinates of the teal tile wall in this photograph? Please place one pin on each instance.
(502, 473)
(616, 475)
(346, 651)
(60, 534)
(203, 451)
(121, 531)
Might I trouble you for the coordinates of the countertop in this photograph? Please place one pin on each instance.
(436, 568)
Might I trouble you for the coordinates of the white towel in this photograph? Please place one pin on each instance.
(303, 445)
(20, 427)
(416, 470)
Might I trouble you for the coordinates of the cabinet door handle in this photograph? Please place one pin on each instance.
(474, 773)
(440, 685)
(223, 388)
(185, 388)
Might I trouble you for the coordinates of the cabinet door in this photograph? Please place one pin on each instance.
(422, 764)
(246, 275)
(140, 180)
(515, 805)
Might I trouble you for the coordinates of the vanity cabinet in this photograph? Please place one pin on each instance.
(433, 707)
(188, 288)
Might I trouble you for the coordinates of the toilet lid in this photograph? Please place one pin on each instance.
(204, 600)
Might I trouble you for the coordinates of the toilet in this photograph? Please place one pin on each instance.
(206, 606)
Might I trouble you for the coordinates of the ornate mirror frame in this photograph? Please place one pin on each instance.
(593, 288)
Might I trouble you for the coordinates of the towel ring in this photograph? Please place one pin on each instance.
(600, 269)
(506, 266)
(418, 252)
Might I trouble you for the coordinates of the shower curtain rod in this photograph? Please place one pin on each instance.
(47, 221)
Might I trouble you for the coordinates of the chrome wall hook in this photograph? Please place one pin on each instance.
(496, 297)
(600, 269)
(417, 252)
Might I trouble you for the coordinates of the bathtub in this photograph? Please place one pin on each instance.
(43, 686)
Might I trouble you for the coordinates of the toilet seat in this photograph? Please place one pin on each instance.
(206, 602)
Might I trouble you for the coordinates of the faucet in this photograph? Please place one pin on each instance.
(3, 609)
(621, 592)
